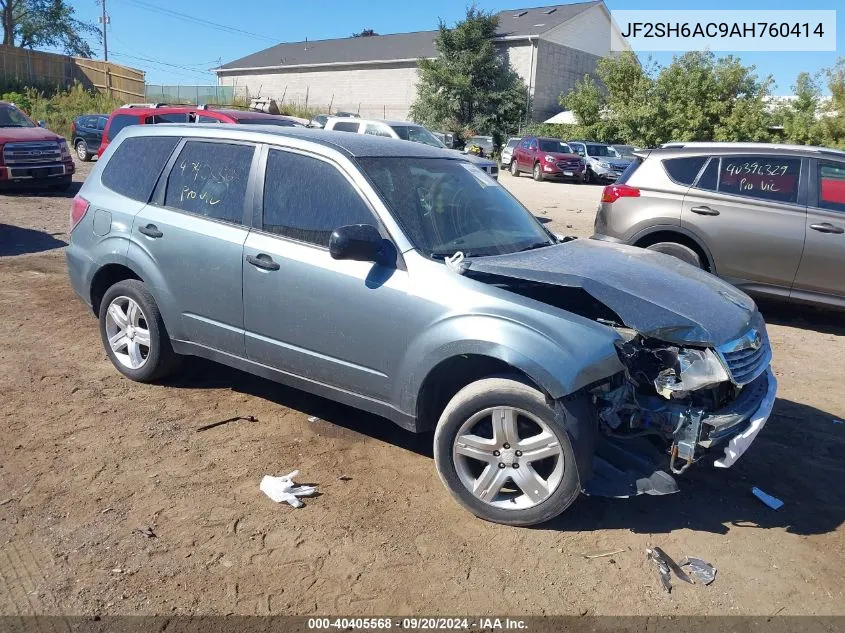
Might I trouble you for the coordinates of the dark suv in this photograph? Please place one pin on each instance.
(87, 134)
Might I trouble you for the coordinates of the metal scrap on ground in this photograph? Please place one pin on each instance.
(285, 489)
(211, 425)
(601, 553)
(701, 570)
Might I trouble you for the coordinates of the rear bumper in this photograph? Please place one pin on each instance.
(80, 270)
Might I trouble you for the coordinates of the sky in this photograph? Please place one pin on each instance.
(178, 42)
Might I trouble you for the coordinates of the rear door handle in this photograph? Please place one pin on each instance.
(827, 227)
(151, 230)
(263, 261)
(704, 211)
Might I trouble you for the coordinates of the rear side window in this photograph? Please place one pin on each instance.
(346, 126)
(135, 166)
(832, 186)
(296, 208)
(761, 177)
(181, 117)
(120, 121)
(684, 170)
(210, 179)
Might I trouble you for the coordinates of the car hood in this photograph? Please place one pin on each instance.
(656, 294)
(563, 156)
(9, 134)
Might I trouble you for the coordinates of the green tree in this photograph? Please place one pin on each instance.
(365, 33)
(469, 88)
(46, 23)
(832, 114)
(695, 98)
(800, 116)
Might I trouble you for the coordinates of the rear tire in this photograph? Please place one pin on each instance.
(82, 150)
(681, 251)
(145, 361)
(514, 169)
(538, 172)
(552, 482)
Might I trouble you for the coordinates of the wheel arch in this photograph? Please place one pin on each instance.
(107, 276)
(675, 234)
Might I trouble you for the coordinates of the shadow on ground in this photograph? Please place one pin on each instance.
(799, 457)
(45, 191)
(16, 240)
(826, 321)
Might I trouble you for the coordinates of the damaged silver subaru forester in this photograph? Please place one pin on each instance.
(402, 280)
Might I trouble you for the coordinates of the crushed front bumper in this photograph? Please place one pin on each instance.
(743, 434)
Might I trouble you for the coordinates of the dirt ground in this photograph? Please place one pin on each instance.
(111, 502)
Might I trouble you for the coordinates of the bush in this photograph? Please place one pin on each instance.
(60, 109)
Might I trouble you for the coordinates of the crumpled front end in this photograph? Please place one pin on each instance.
(695, 399)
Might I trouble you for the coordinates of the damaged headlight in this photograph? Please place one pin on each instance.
(671, 371)
(696, 369)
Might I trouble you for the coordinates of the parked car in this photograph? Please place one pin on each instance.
(406, 131)
(602, 162)
(411, 285)
(141, 114)
(31, 154)
(87, 134)
(770, 219)
(484, 142)
(507, 153)
(625, 151)
(448, 139)
(319, 121)
(547, 158)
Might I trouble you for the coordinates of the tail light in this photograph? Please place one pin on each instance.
(612, 193)
(78, 211)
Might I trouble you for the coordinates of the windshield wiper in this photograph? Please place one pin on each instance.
(533, 246)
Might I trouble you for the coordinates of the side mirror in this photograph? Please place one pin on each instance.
(42, 124)
(359, 242)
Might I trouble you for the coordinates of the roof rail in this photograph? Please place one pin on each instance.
(144, 105)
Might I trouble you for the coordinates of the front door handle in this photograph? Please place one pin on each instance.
(704, 211)
(827, 227)
(263, 261)
(151, 230)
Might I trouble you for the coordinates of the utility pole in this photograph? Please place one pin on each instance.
(104, 20)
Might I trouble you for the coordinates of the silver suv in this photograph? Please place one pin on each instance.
(770, 219)
(412, 285)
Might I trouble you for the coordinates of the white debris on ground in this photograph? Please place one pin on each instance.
(281, 489)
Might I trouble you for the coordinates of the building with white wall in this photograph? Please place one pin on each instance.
(551, 48)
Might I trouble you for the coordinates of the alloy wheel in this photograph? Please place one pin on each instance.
(128, 332)
(82, 150)
(508, 458)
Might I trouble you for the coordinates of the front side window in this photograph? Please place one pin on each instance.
(445, 206)
(761, 177)
(10, 116)
(550, 145)
(210, 179)
(119, 122)
(524, 143)
(832, 186)
(135, 166)
(306, 198)
(202, 118)
(578, 147)
(417, 134)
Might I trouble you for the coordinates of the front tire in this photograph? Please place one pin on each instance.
(503, 456)
(538, 172)
(514, 169)
(681, 251)
(133, 332)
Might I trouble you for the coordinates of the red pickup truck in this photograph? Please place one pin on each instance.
(31, 155)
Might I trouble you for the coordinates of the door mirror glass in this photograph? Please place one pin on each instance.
(359, 242)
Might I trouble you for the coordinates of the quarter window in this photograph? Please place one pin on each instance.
(306, 199)
(210, 179)
(684, 170)
(135, 166)
(376, 130)
(832, 186)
